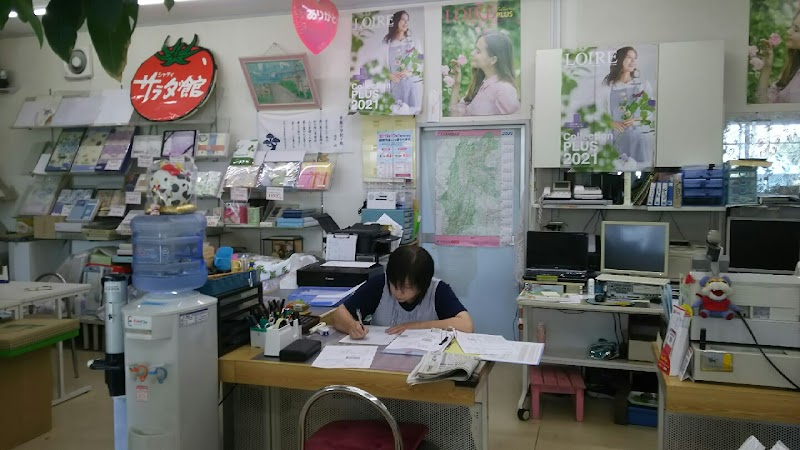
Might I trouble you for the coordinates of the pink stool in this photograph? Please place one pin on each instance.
(556, 380)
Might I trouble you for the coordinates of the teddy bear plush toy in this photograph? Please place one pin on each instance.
(714, 298)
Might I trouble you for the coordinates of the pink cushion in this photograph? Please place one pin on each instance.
(365, 435)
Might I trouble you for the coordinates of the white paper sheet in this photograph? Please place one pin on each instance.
(353, 264)
(418, 342)
(341, 247)
(527, 353)
(42, 164)
(115, 108)
(346, 357)
(376, 336)
(285, 155)
(483, 344)
(37, 112)
(77, 111)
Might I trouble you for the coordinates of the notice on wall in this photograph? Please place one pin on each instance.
(387, 57)
(608, 114)
(388, 148)
(318, 131)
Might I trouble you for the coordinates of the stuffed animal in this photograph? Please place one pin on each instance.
(171, 188)
(714, 298)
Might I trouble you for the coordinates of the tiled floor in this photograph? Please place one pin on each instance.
(85, 423)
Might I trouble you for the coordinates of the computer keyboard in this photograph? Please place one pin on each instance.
(631, 279)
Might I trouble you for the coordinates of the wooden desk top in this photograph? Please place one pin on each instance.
(238, 366)
(731, 400)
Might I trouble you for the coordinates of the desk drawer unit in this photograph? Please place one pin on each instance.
(257, 410)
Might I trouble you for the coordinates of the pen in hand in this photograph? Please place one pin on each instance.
(360, 319)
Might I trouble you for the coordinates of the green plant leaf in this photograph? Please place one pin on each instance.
(111, 24)
(61, 24)
(169, 4)
(24, 9)
(5, 8)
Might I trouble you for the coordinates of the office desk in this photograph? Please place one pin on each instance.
(262, 412)
(16, 295)
(714, 416)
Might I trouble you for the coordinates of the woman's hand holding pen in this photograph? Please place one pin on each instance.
(357, 331)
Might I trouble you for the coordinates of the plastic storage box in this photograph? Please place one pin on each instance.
(741, 185)
(703, 186)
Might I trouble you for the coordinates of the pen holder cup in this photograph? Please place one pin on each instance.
(257, 337)
(278, 338)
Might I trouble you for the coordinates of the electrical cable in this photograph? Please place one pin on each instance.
(758, 346)
(616, 336)
(226, 395)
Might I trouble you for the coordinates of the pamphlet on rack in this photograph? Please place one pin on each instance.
(443, 366)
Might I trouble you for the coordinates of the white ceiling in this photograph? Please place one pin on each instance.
(203, 10)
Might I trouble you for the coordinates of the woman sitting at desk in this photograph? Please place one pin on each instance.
(407, 297)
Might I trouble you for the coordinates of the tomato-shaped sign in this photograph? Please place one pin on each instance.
(173, 83)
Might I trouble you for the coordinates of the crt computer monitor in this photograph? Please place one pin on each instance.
(635, 248)
(557, 250)
(763, 245)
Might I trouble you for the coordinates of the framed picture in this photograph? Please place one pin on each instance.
(280, 82)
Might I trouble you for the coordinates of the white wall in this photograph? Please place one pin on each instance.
(582, 23)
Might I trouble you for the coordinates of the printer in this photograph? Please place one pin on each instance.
(724, 351)
(373, 240)
(320, 275)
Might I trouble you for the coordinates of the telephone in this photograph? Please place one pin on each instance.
(588, 190)
(560, 190)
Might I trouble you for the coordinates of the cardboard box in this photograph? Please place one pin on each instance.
(44, 227)
(26, 390)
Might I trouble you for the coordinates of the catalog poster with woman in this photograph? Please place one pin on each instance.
(774, 52)
(609, 108)
(481, 59)
(387, 56)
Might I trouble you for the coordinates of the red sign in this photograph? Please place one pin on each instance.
(174, 82)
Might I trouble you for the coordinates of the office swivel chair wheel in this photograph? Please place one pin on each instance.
(523, 414)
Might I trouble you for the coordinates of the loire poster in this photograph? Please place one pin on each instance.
(608, 114)
(387, 61)
(481, 58)
(774, 52)
(474, 187)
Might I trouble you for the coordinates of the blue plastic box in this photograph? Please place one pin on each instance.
(639, 415)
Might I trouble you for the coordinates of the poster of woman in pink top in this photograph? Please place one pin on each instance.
(485, 83)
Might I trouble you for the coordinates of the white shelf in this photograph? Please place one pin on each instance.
(652, 310)
(9, 90)
(262, 227)
(634, 207)
(578, 357)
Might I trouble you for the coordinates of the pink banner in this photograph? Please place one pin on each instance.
(468, 241)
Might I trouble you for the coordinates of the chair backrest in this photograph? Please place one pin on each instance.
(355, 392)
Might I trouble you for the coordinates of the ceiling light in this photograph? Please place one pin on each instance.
(39, 11)
(13, 14)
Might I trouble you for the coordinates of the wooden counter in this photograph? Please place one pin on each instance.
(731, 400)
(239, 367)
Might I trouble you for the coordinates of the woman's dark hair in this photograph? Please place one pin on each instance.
(792, 64)
(615, 73)
(498, 45)
(412, 265)
(396, 18)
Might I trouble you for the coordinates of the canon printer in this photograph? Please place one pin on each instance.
(318, 274)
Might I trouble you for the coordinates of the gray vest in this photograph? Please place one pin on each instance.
(390, 313)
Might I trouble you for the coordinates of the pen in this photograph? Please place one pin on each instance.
(358, 314)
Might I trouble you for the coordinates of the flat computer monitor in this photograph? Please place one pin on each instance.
(763, 245)
(557, 250)
(635, 248)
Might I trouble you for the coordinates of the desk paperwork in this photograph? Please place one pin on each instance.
(526, 353)
(376, 336)
(346, 357)
(418, 342)
(341, 247)
(498, 349)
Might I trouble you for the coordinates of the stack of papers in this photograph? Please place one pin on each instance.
(346, 357)
(443, 366)
(376, 336)
(419, 342)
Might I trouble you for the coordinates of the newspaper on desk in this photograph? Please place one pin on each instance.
(436, 366)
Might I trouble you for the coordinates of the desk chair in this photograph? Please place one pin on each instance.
(359, 434)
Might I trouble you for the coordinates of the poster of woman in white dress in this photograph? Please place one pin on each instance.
(387, 61)
(609, 112)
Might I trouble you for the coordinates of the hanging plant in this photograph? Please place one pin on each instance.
(110, 24)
